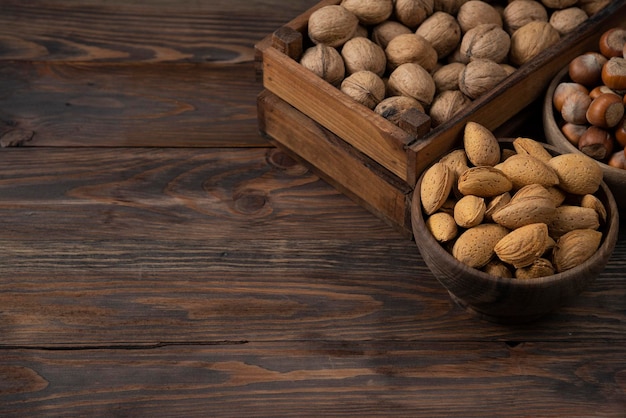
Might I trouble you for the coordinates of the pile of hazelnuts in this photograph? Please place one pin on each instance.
(592, 100)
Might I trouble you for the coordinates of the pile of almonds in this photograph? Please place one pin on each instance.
(436, 56)
(518, 212)
(591, 101)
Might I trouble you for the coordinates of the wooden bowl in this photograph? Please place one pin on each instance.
(615, 178)
(506, 300)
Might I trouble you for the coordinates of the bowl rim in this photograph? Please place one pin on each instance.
(553, 132)
(609, 239)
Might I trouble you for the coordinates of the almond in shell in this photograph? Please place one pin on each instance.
(542, 267)
(481, 145)
(570, 217)
(523, 169)
(533, 148)
(525, 211)
(469, 211)
(484, 181)
(577, 173)
(523, 246)
(442, 226)
(575, 247)
(475, 246)
(435, 187)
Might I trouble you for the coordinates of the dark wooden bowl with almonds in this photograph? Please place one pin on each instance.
(509, 299)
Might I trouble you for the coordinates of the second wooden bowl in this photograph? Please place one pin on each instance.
(506, 300)
(615, 178)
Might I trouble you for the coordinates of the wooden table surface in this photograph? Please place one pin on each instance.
(160, 258)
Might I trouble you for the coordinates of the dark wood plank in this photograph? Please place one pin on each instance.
(105, 105)
(318, 378)
(150, 31)
(141, 246)
(171, 194)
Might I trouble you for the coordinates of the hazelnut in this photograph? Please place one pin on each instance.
(558, 4)
(618, 159)
(574, 108)
(392, 108)
(598, 90)
(447, 104)
(447, 76)
(520, 12)
(567, 20)
(531, 39)
(614, 73)
(620, 132)
(442, 31)
(476, 12)
(596, 142)
(612, 42)
(586, 69)
(412, 80)
(332, 25)
(361, 54)
(386, 31)
(365, 87)
(413, 12)
(488, 41)
(410, 48)
(479, 76)
(573, 132)
(369, 12)
(563, 90)
(326, 62)
(606, 110)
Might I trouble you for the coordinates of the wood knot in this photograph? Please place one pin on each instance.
(279, 159)
(250, 202)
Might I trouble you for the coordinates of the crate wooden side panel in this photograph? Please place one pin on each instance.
(354, 123)
(345, 168)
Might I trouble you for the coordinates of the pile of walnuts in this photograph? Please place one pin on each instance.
(436, 56)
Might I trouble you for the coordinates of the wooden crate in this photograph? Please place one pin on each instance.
(362, 154)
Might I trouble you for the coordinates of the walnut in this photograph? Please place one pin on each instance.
(520, 12)
(369, 12)
(567, 20)
(442, 31)
(479, 76)
(362, 54)
(448, 6)
(412, 12)
(592, 7)
(558, 4)
(447, 77)
(392, 108)
(410, 48)
(326, 62)
(477, 12)
(508, 68)
(447, 104)
(530, 40)
(332, 25)
(365, 87)
(412, 80)
(386, 31)
(488, 41)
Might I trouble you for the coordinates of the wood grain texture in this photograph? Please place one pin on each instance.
(158, 258)
(143, 246)
(318, 378)
(219, 32)
(133, 73)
